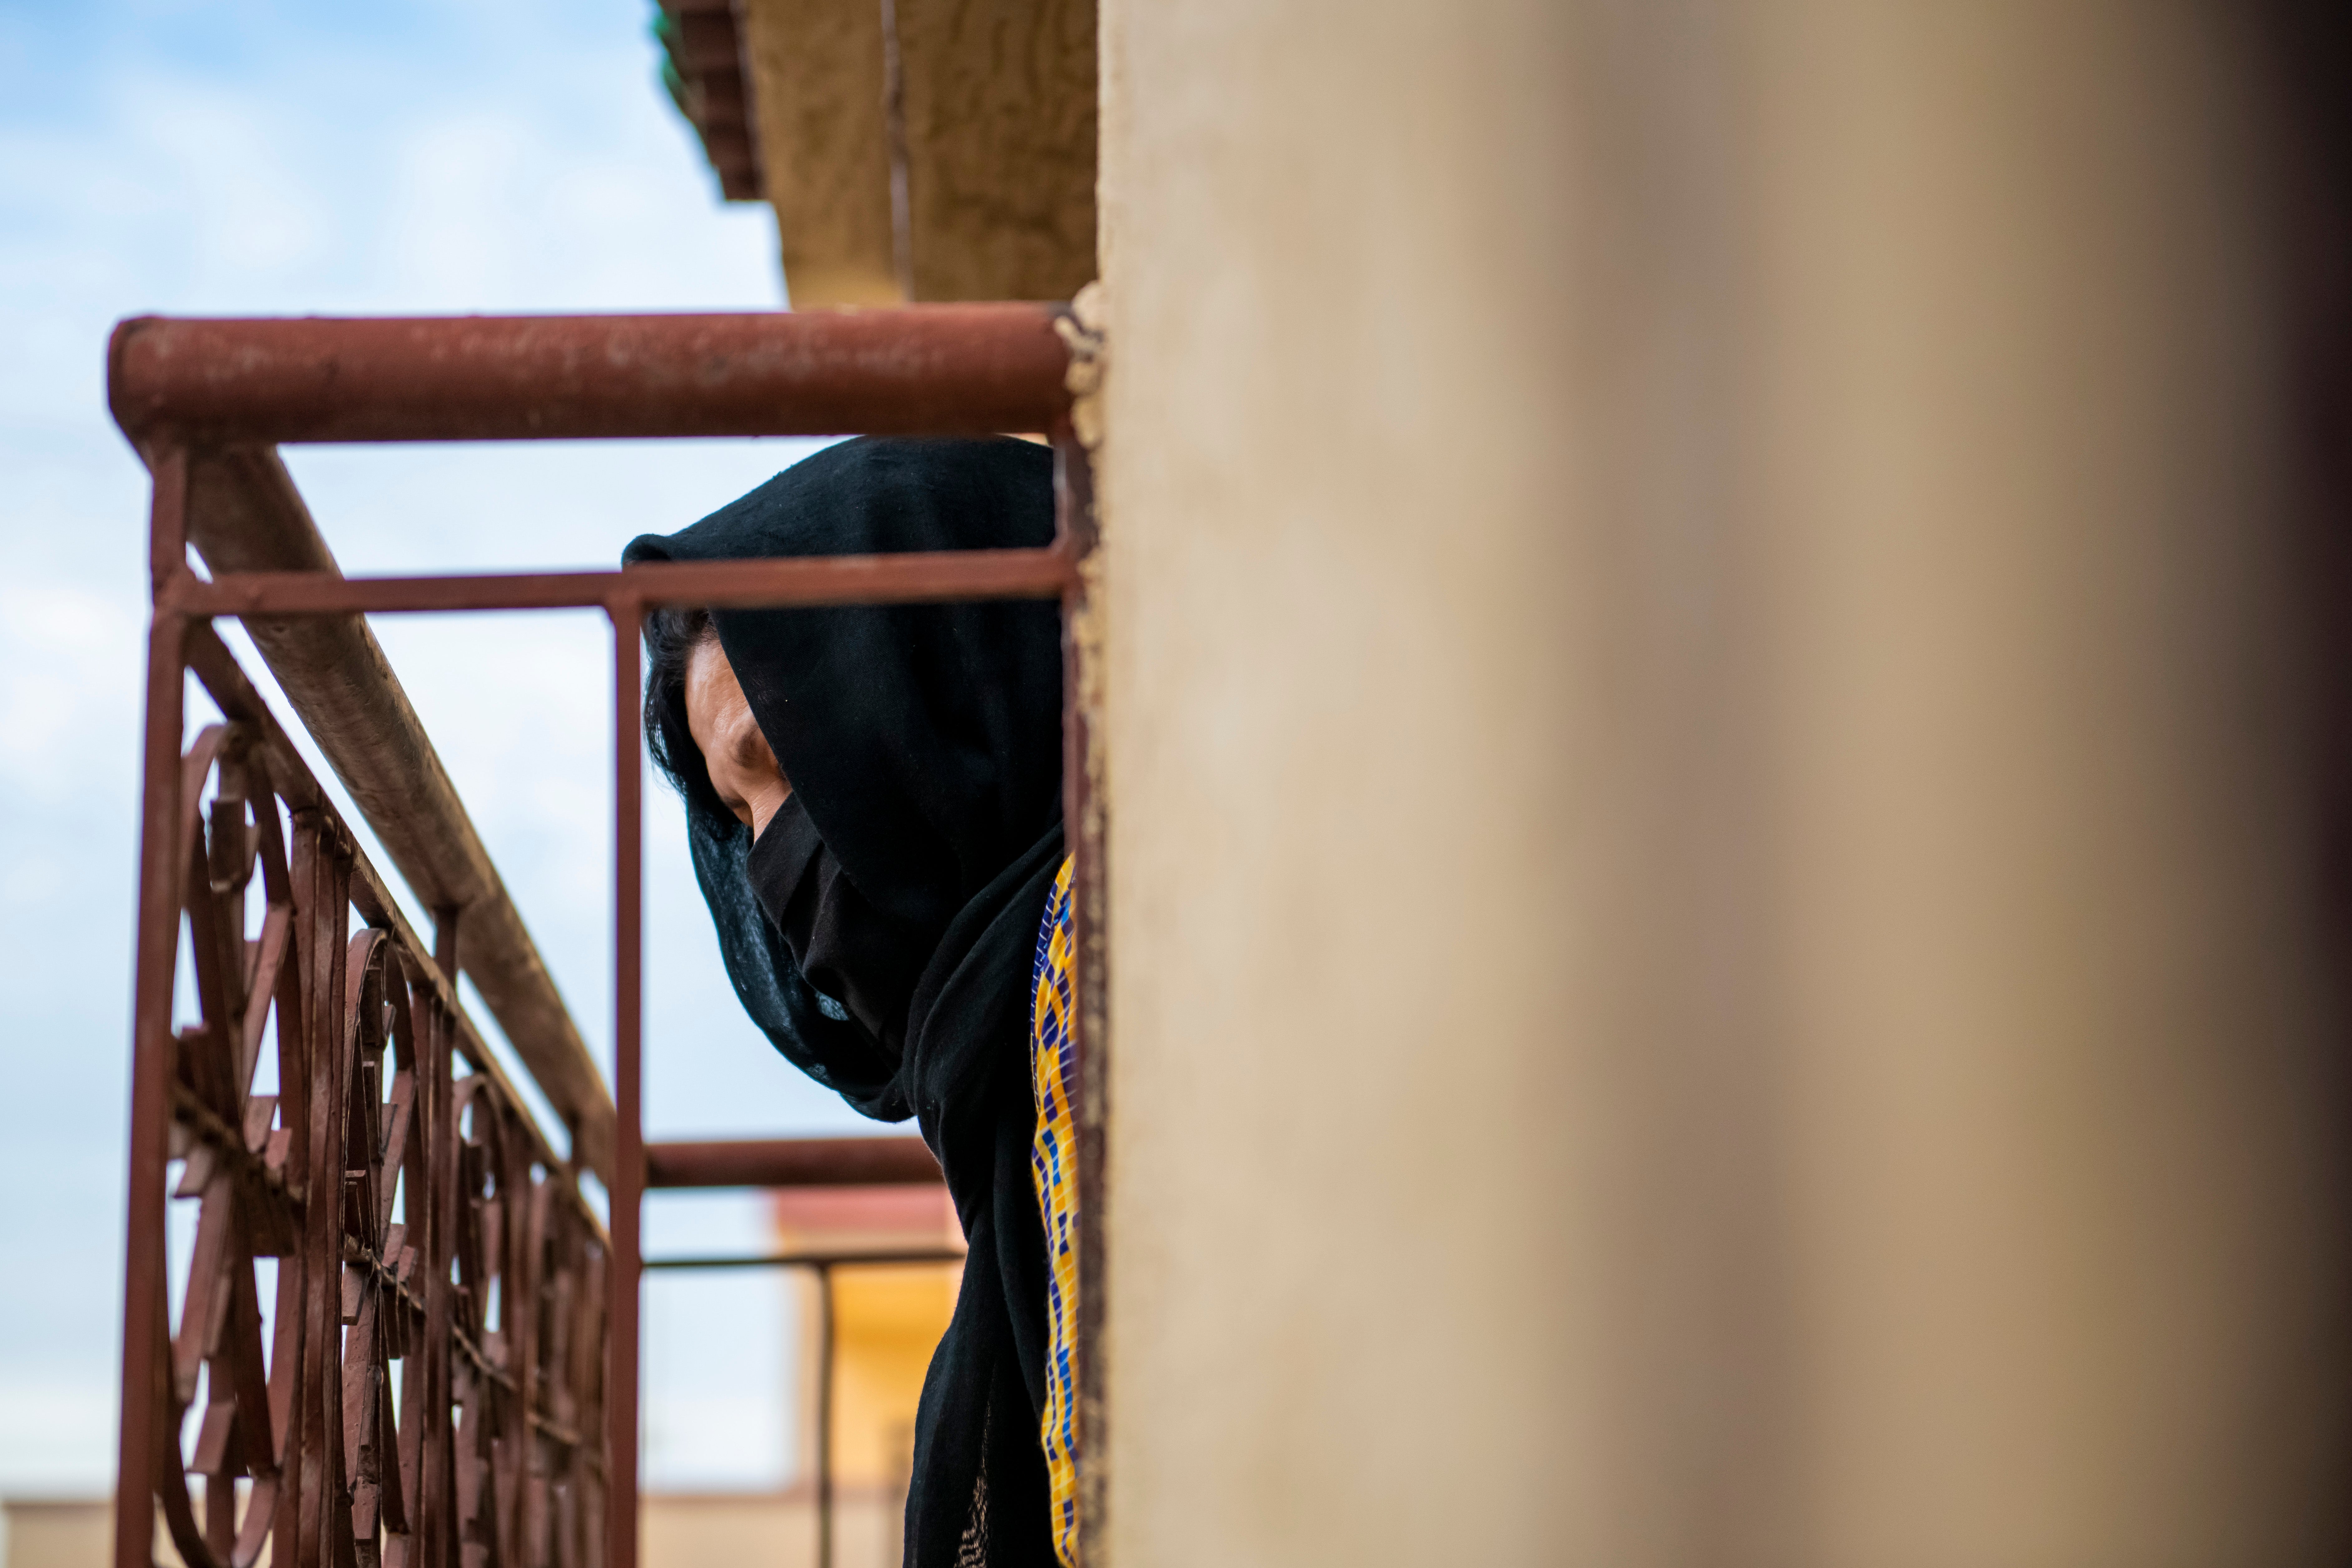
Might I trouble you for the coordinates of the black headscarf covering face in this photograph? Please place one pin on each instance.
(881, 929)
(862, 959)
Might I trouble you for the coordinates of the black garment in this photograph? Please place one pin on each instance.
(909, 872)
(862, 957)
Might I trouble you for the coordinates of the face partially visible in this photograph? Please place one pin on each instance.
(742, 767)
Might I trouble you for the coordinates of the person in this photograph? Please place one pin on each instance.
(873, 800)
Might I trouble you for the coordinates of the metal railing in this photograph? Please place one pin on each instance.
(398, 1209)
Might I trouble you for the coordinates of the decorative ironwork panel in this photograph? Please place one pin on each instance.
(389, 1350)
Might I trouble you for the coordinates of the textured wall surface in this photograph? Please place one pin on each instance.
(1717, 954)
(978, 184)
(824, 146)
(999, 103)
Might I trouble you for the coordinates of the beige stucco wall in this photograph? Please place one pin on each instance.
(778, 1529)
(65, 1532)
(978, 185)
(1714, 958)
(743, 1530)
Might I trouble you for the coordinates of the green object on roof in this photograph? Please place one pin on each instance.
(667, 33)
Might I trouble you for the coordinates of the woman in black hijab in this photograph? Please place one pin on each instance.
(873, 802)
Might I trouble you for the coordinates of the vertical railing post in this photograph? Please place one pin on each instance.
(437, 1529)
(824, 1416)
(628, 1160)
(1083, 803)
(145, 1303)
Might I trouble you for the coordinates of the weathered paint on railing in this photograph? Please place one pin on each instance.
(428, 1216)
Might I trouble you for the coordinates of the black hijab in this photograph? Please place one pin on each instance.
(909, 869)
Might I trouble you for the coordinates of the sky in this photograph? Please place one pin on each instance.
(430, 157)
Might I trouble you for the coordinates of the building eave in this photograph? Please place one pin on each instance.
(705, 70)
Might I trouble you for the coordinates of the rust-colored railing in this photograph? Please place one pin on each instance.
(489, 1289)
(351, 1148)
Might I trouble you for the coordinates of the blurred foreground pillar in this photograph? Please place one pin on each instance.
(1729, 702)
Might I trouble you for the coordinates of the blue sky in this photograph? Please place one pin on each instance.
(428, 156)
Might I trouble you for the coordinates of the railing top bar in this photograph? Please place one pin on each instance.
(917, 370)
(909, 578)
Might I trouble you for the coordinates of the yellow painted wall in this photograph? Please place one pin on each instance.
(887, 1324)
(887, 1319)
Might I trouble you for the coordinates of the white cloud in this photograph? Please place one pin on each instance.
(66, 654)
(229, 168)
(251, 156)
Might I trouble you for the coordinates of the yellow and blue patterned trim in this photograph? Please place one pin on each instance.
(1053, 1170)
